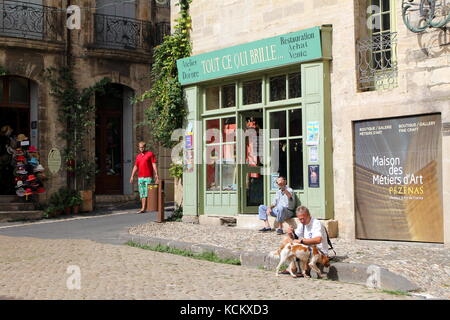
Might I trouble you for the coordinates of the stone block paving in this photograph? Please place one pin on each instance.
(37, 269)
(426, 265)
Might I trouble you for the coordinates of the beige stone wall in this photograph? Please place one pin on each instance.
(423, 80)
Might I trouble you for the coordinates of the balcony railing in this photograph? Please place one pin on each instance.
(116, 32)
(31, 21)
(377, 65)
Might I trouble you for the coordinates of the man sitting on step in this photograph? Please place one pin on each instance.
(282, 207)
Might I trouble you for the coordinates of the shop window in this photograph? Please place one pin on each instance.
(286, 149)
(219, 97)
(278, 124)
(295, 122)
(212, 98)
(212, 131)
(252, 92)
(229, 96)
(221, 170)
(295, 177)
(277, 88)
(295, 89)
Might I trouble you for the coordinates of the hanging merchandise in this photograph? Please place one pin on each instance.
(29, 172)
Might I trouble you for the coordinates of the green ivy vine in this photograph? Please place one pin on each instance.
(76, 113)
(166, 111)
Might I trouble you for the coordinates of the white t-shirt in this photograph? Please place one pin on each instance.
(312, 230)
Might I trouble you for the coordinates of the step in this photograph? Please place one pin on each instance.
(8, 198)
(251, 221)
(114, 198)
(16, 206)
(8, 216)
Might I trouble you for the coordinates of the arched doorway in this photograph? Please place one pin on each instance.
(18, 115)
(113, 140)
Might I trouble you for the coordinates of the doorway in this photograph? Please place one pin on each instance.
(14, 120)
(252, 153)
(108, 141)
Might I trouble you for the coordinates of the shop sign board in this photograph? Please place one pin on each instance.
(398, 179)
(263, 54)
(54, 160)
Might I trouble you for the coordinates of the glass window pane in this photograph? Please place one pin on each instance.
(254, 185)
(229, 96)
(295, 164)
(376, 3)
(229, 153)
(295, 89)
(212, 168)
(229, 169)
(376, 23)
(229, 177)
(229, 129)
(295, 122)
(252, 92)
(278, 124)
(277, 88)
(386, 18)
(278, 157)
(18, 90)
(212, 131)
(212, 98)
(254, 144)
(386, 6)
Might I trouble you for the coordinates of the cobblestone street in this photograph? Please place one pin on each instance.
(33, 268)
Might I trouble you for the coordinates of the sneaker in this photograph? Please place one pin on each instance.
(279, 231)
(265, 229)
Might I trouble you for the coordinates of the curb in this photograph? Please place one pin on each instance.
(372, 276)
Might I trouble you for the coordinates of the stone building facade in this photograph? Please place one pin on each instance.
(115, 40)
(407, 77)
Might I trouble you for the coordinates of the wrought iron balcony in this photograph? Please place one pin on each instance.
(377, 64)
(116, 32)
(31, 21)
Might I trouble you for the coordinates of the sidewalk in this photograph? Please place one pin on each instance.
(422, 268)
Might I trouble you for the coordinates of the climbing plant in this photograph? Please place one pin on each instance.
(76, 112)
(166, 110)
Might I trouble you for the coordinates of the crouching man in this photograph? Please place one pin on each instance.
(310, 231)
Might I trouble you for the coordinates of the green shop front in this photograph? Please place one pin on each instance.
(257, 111)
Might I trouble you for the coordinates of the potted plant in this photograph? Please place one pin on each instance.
(65, 195)
(55, 204)
(75, 202)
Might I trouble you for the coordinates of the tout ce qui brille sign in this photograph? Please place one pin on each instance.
(263, 54)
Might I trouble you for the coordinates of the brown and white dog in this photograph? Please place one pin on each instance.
(290, 250)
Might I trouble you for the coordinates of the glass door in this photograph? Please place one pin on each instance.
(252, 179)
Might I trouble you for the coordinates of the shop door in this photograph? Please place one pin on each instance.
(109, 146)
(14, 120)
(252, 179)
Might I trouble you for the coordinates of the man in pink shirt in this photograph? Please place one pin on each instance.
(146, 166)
